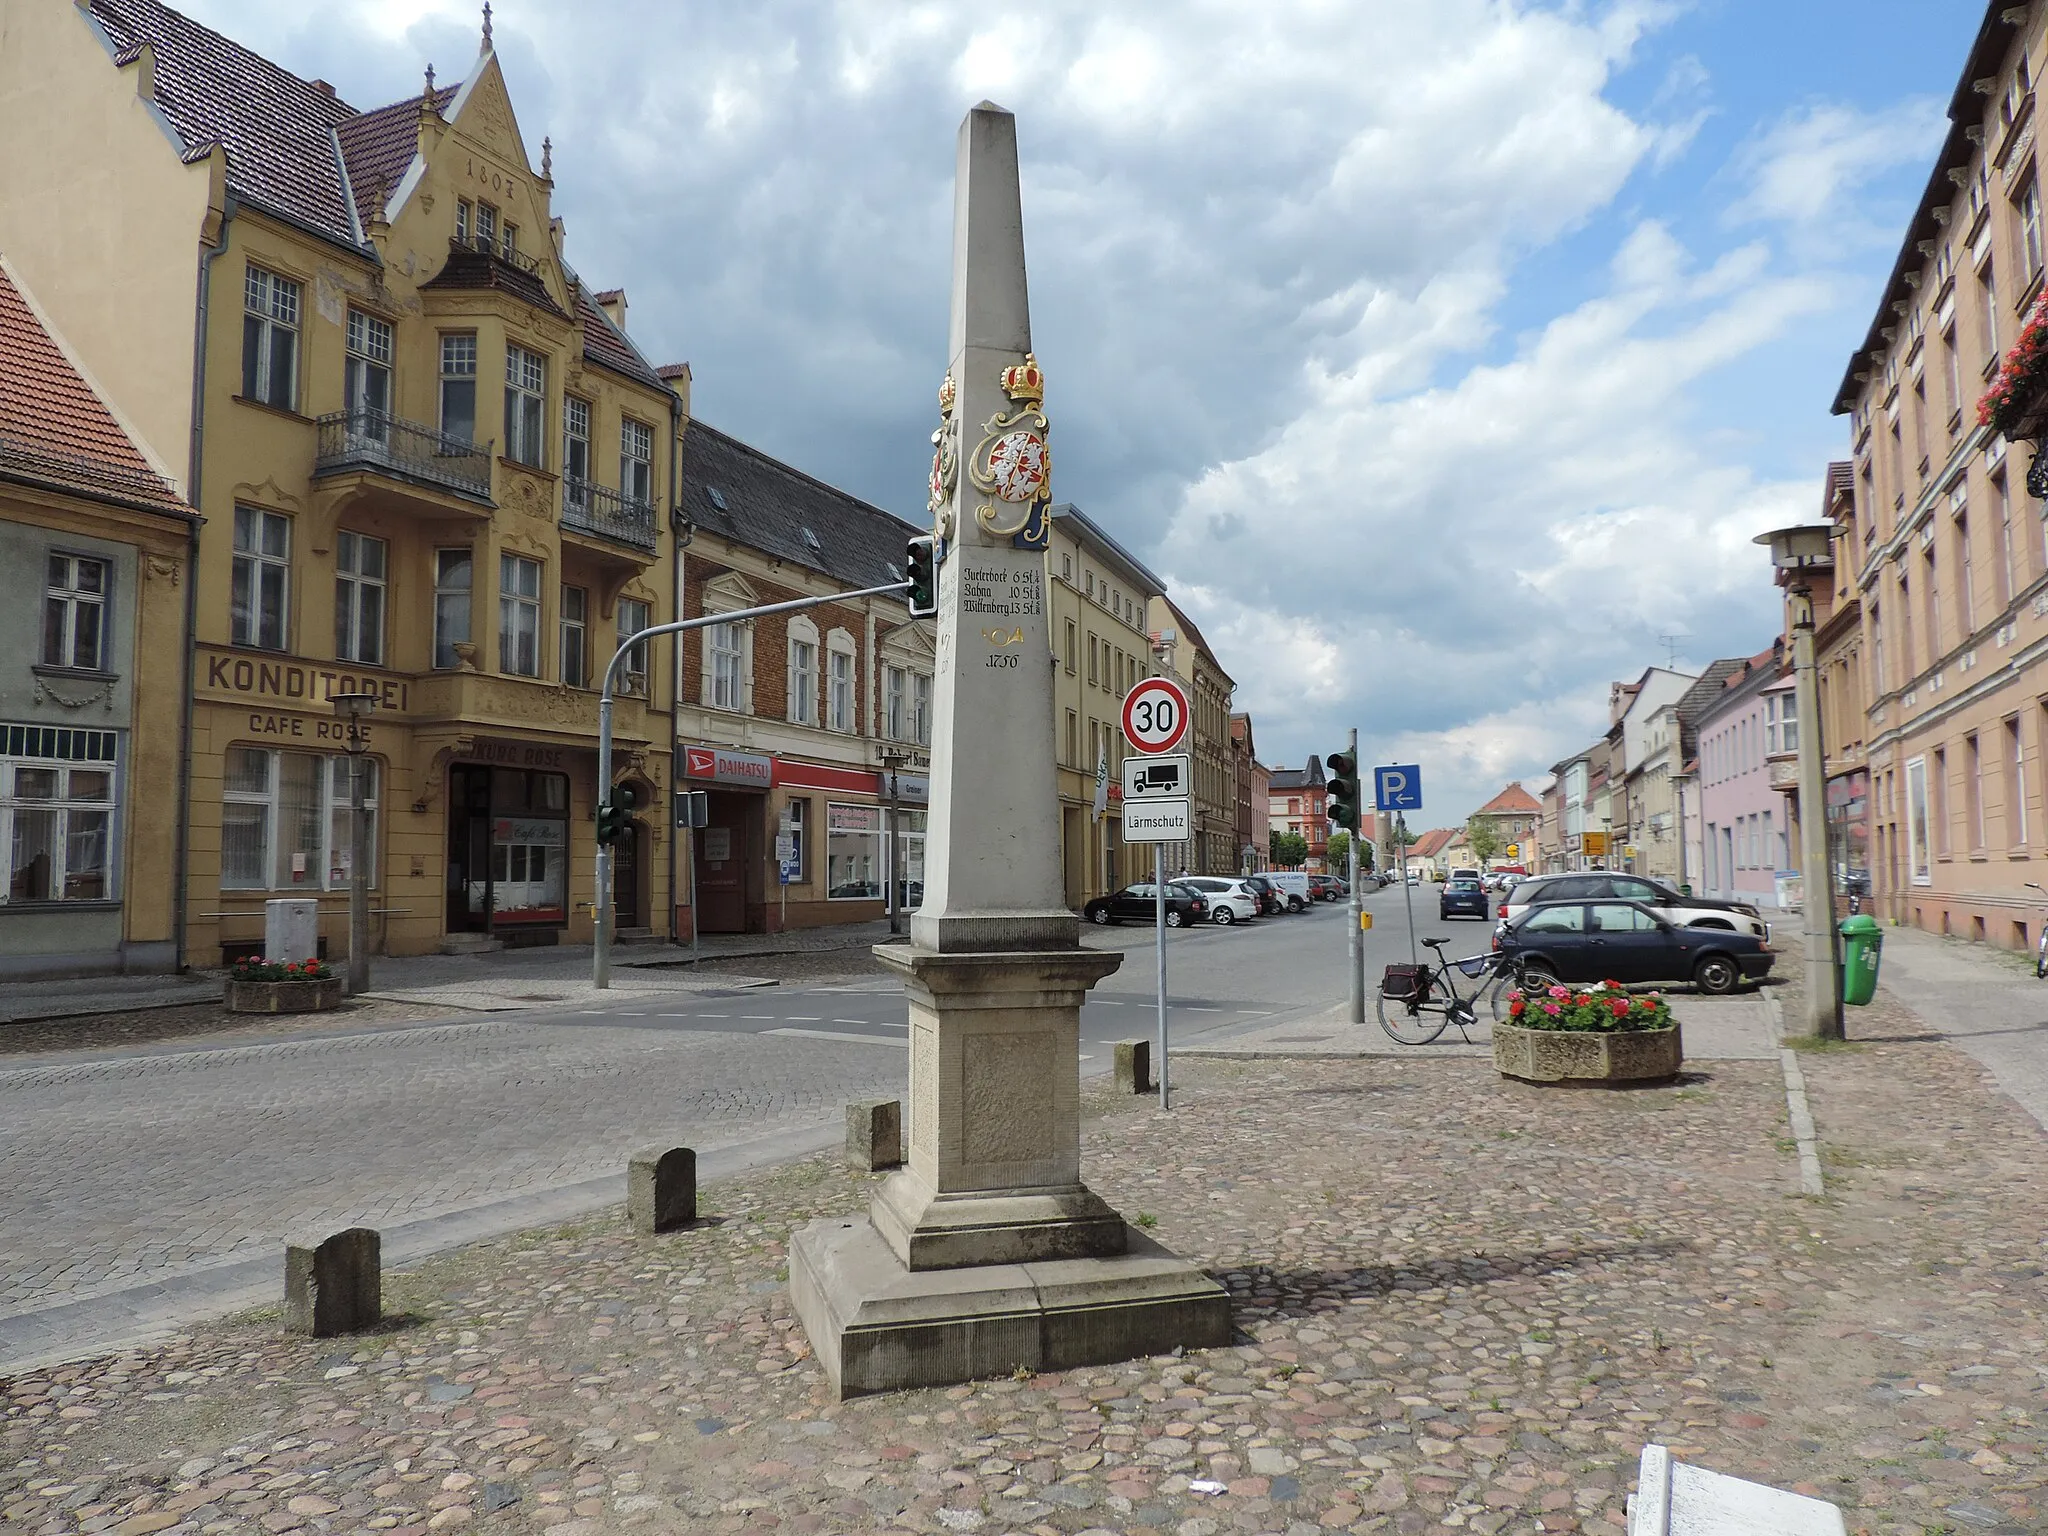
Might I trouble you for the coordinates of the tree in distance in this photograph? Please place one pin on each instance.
(1337, 856)
(1289, 849)
(1483, 838)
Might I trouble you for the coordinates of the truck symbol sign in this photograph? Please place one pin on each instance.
(1155, 778)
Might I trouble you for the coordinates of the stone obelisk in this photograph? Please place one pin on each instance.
(987, 1252)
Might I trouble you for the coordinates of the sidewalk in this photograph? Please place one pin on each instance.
(1463, 1304)
(490, 982)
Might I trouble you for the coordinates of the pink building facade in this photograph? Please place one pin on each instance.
(1748, 746)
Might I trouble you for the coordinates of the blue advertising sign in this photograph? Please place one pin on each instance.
(1397, 788)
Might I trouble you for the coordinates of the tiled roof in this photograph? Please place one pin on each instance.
(1512, 801)
(1432, 843)
(53, 429)
(377, 147)
(609, 347)
(273, 124)
(1310, 777)
(469, 268)
(764, 504)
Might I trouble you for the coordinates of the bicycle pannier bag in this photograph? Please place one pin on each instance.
(1407, 983)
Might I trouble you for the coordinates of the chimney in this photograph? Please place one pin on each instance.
(323, 88)
(613, 302)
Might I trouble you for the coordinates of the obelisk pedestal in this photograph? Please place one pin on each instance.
(987, 1252)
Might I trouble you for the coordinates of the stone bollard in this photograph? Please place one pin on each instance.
(874, 1134)
(661, 1189)
(335, 1285)
(1134, 1067)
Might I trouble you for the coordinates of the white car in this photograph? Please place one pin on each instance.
(1673, 906)
(1230, 901)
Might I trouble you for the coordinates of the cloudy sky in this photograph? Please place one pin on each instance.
(1443, 355)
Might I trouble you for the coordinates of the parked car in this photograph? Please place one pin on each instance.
(1270, 899)
(1329, 887)
(1461, 898)
(1293, 886)
(1230, 901)
(1628, 941)
(1139, 903)
(1601, 885)
(1464, 874)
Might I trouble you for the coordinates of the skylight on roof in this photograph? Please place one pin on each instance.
(811, 539)
(717, 497)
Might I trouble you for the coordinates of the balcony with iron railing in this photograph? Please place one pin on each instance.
(364, 441)
(608, 514)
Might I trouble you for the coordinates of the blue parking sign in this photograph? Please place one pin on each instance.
(1397, 788)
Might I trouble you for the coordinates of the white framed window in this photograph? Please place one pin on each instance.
(576, 450)
(896, 703)
(575, 637)
(57, 801)
(366, 375)
(2015, 785)
(921, 708)
(458, 386)
(285, 820)
(636, 462)
(359, 567)
(634, 616)
(75, 612)
(508, 244)
(462, 215)
(518, 616)
(803, 680)
(1919, 856)
(2029, 204)
(261, 580)
(454, 580)
(526, 383)
(839, 690)
(487, 229)
(726, 644)
(270, 339)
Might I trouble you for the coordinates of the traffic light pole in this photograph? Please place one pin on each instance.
(601, 945)
(1357, 902)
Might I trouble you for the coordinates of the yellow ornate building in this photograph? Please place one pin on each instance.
(431, 466)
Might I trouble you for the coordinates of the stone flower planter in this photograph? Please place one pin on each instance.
(284, 996)
(1587, 1058)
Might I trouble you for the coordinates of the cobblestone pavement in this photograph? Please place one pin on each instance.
(1463, 1304)
(134, 1168)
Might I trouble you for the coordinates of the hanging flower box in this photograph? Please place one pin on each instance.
(301, 986)
(2016, 404)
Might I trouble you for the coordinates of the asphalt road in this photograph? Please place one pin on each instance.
(144, 1186)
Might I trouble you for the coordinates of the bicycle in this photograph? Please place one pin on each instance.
(1408, 1004)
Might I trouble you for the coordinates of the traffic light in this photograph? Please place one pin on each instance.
(615, 821)
(920, 567)
(1342, 789)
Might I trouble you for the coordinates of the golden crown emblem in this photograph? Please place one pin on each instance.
(948, 393)
(1023, 382)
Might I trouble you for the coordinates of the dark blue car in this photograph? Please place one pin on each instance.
(1461, 898)
(1627, 942)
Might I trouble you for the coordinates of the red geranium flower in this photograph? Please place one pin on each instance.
(1517, 1008)
(1619, 1006)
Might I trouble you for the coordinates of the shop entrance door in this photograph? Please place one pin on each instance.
(469, 849)
(626, 880)
(728, 861)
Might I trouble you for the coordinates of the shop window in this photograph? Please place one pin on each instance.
(575, 637)
(526, 382)
(261, 579)
(74, 612)
(909, 864)
(634, 616)
(454, 576)
(797, 821)
(285, 820)
(359, 566)
(57, 812)
(518, 616)
(853, 852)
(270, 339)
(458, 387)
(529, 846)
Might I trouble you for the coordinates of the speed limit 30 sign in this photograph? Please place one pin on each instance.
(1156, 715)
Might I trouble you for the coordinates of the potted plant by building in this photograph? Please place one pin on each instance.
(296, 986)
(2016, 404)
(1587, 1035)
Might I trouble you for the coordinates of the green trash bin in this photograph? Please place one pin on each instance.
(1862, 945)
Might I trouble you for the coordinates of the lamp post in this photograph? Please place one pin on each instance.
(1798, 553)
(892, 765)
(356, 708)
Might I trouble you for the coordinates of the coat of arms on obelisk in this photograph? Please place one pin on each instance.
(1013, 462)
(945, 461)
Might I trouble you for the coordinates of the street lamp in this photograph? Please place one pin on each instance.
(356, 708)
(1798, 553)
(892, 766)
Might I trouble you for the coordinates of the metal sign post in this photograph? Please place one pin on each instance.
(1398, 787)
(1158, 808)
(1357, 941)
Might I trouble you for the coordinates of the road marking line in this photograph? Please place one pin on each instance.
(755, 1018)
(807, 1018)
(714, 1015)
(1256, 1013)
(1187, 1008)
(827, 1034)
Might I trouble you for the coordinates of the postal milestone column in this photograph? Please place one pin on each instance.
(987, 1252)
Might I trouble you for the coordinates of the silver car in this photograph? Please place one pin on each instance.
(1230, 901)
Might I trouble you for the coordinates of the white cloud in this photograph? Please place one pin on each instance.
(1805, 169)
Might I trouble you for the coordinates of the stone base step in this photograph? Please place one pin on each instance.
(639, 936)
(469, 944)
